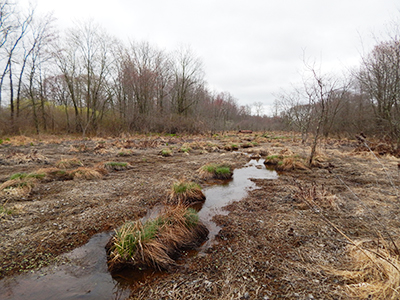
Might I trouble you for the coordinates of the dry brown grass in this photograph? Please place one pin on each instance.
(88, 173)
(316, 197)
(17, 189)
(281, 162)
(79, 148)
(69, 163)
(185, 192)
(156, 243)
(291, 163)
(116, 166)
(17, 157)
(375, 273)
(216, 171)
(56, 174)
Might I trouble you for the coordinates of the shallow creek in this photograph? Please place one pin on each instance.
(86, 275)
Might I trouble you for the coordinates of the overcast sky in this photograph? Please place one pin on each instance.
(252, 49)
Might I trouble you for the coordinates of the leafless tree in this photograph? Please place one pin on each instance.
(379, 76)
(297, 111)
(188, 76)
(84, 61)
(14, 26)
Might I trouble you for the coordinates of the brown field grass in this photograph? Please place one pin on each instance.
(185, 192)
(156, 243)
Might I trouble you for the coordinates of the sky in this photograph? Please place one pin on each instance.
(253, 49)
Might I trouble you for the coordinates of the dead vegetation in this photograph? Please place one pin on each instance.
(186, 193)
(156, 243)
(216, 171)
(274, 244)
(286, 160)
(375, 271)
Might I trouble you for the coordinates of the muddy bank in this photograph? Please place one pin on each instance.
(271, 245)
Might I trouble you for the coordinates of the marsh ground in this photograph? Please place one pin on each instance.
(272, 244)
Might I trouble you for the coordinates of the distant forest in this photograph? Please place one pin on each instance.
(83, 80)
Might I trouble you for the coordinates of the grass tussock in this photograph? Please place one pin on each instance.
(18, 188)
(56, 174)
(231, 147)
(216, 171)
(18, 157)
(116, 166)
(375, 273)
(69, 163)
(156, 243)
(285, 161)
(125, 153)
(88, 173)
(166, 152)
(185, 192)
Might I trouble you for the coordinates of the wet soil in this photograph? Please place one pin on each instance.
(271, 245)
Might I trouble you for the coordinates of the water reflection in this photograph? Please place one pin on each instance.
(233, 190)
(87, 276)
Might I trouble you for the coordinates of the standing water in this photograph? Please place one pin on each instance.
(87, 276)
(233, 190)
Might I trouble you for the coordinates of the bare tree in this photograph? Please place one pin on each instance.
(258, 108)
(297, 111)
(14, 27)
(84, 61)
(380, 78)
(188, 75)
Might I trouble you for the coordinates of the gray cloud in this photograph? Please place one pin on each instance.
(250, 48)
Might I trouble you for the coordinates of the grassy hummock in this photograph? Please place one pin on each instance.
(155, 243)
(116, 166)
(185, 192)
(285, 162)
(69, 163)
(216, 171)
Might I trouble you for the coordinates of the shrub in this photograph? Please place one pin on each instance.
(157, 242)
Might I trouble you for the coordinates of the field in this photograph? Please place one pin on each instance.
(326, 232)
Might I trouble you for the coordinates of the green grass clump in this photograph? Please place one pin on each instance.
(5, 211)
(156, 242)
(185, 192)
(185, 149)
(166, 152)
(216, 171)
(69, 163)
(116, 166)
(22, 176)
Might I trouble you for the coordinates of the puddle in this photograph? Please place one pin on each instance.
(218, 196)
(86, 275)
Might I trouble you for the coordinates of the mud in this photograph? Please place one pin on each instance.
(271, 245)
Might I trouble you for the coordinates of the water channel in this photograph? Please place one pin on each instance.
(86, 275)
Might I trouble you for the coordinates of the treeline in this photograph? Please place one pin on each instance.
(86, 81)
(367, 100)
